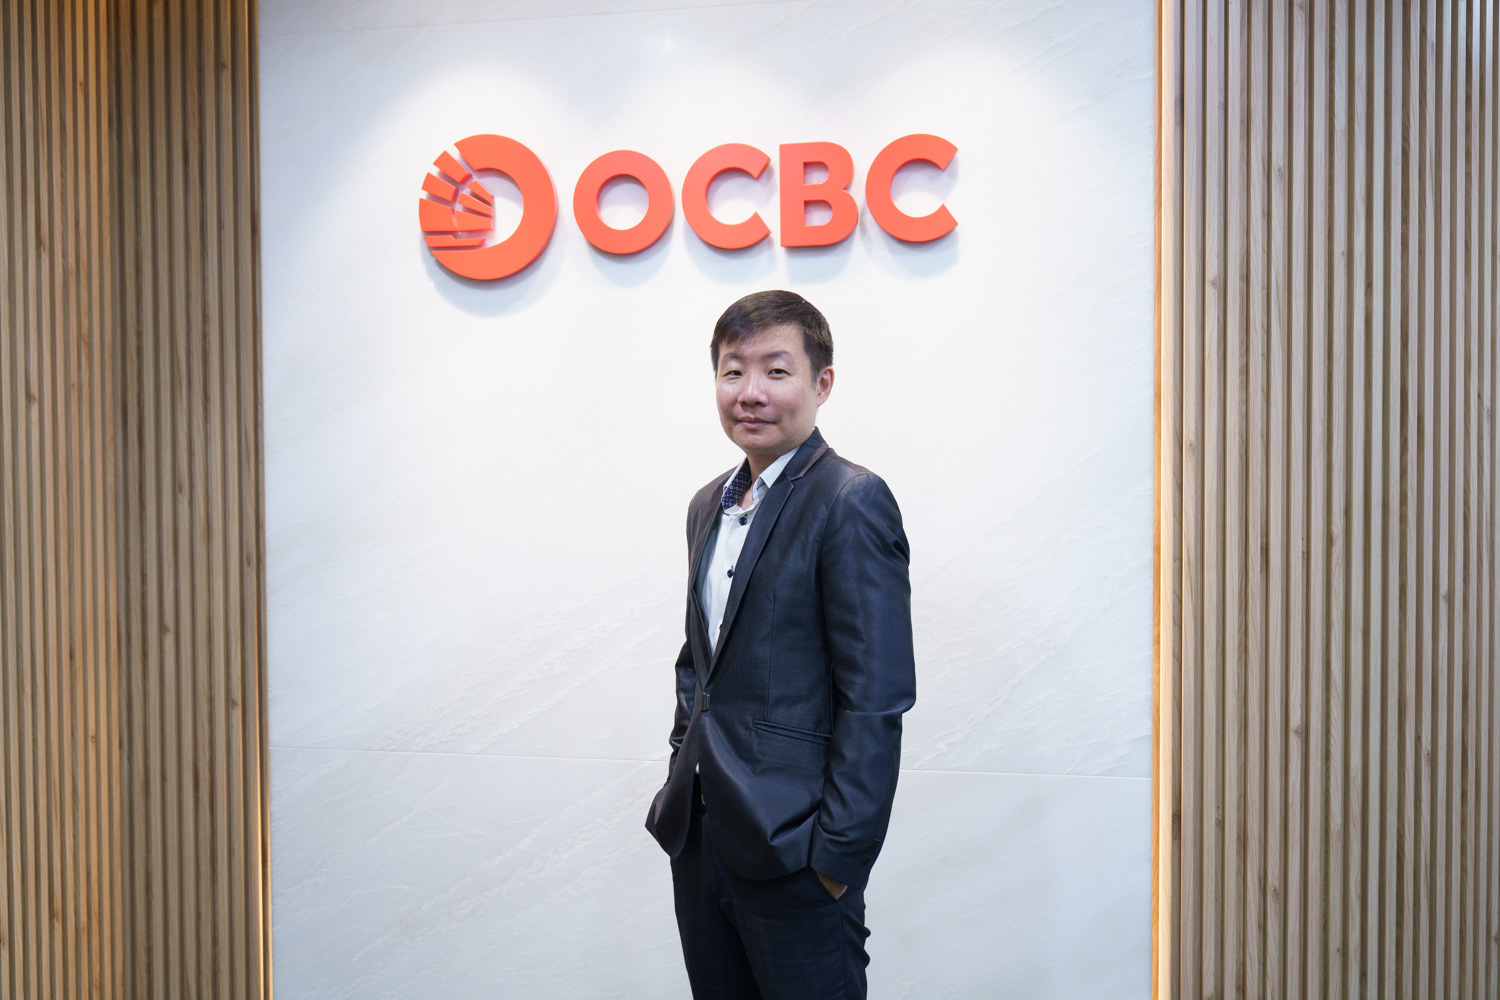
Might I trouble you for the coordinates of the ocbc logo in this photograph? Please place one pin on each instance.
(457, 214)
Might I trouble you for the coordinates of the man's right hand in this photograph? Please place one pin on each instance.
(835, 889)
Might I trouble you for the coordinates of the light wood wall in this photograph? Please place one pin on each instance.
(1328, 786)
(133, 805)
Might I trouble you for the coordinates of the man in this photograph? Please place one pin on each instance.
(791, 683)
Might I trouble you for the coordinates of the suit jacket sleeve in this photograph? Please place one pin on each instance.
(687, 686)
(686, 675)
(866, 592)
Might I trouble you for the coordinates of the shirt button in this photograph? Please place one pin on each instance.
(730, 574)
(743, 519)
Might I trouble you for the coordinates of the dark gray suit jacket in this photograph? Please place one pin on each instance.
(794, 721)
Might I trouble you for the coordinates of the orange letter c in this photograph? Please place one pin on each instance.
(908, 149)
(724, 235)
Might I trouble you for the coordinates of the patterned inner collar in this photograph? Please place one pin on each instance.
(738, 485)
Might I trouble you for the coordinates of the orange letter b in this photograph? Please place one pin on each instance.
(796, 193)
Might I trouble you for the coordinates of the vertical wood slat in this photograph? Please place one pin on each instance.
(1326, 609)
(1361, 535)
(1233, 645)
(1385, 313)
(1211, 447)
(1254, 633)
(1465, 915)
(1194, 829)
(1470, 585)
(1490, 529)
(1403, 604)
(133, 809)
(1166, 605)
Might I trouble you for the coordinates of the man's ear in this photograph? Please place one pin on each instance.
(824, 385)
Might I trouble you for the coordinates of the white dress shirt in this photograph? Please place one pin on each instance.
(734, 525)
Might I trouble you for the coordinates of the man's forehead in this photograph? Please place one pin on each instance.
(772, 342)
(760, 355)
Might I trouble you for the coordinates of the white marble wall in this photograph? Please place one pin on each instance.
(475, 491)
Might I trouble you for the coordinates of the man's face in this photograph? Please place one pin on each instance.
(768, 394)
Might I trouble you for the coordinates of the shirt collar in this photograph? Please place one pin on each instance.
(738, 483)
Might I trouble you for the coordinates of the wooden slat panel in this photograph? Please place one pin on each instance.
(133, 809)
(1326, 539)
(59, 817)
(196, 811)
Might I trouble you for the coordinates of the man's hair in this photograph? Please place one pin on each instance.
(762, 310)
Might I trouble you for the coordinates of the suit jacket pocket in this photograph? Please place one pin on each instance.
(802, 748)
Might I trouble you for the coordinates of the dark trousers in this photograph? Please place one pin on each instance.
(784, 938)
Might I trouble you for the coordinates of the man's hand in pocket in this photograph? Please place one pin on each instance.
(835, 889)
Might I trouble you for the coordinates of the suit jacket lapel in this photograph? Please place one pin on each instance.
(760, 529)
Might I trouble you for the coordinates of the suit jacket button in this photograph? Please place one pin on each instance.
(865, 861)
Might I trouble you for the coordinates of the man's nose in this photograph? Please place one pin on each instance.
(753, 390)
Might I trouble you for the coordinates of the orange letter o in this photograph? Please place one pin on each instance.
(623, 163)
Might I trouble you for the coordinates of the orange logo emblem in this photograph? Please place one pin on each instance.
(457, 213)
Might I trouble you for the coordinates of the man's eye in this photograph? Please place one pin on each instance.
(778, 371)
